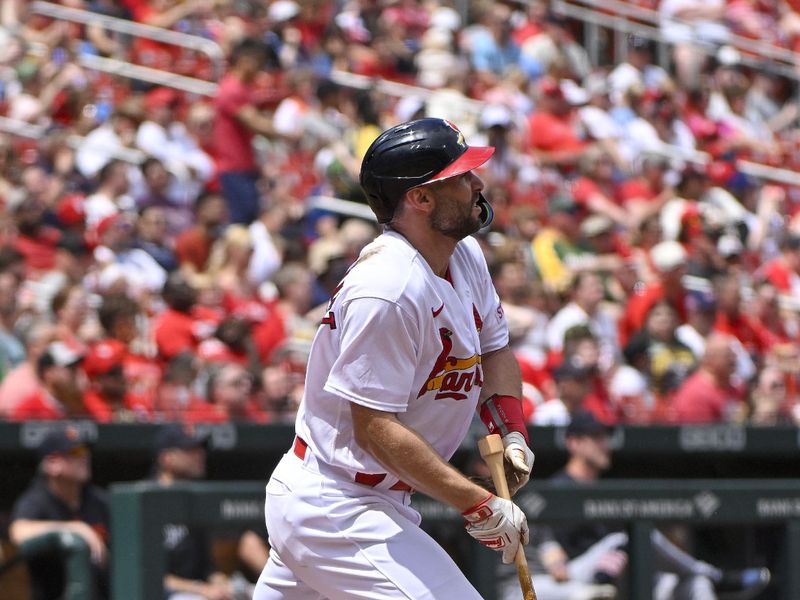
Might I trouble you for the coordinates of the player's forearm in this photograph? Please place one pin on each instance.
(405, 454)
(501, 374)
(189, 586)
(22, 530)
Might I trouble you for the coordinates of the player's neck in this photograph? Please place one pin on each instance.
(435, 248)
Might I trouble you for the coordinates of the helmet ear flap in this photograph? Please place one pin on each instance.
(487, 212)
(376, 198)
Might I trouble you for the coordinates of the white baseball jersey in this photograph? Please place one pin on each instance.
(398, 338)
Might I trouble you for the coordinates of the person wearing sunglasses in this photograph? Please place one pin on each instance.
(61, 498)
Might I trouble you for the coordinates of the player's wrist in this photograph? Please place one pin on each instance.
(478, 512)
(502, 414)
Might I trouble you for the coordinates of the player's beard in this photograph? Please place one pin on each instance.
(455, 220)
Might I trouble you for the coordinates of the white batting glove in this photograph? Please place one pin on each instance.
(498, 524)
(520, 458)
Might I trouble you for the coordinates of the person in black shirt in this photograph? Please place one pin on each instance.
(61, 498)
(587, 560)
(190, 572)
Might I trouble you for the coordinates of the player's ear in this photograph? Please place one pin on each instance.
(420, 199)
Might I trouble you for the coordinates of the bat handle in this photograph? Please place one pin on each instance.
(491, 448)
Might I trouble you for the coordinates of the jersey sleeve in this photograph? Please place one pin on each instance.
(377, 358)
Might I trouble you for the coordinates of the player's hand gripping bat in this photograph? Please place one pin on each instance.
(491, 448)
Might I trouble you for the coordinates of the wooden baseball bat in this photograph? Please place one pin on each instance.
(491, 448)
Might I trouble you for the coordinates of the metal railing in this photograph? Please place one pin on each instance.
(139, 511)
(130, 70)
(191, 42)
(630, 18)
(73, 550)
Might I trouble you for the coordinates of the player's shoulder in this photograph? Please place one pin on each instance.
(388, 268)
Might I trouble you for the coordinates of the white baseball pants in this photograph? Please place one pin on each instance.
(340, 540)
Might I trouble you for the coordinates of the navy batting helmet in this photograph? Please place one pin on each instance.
(415, 153)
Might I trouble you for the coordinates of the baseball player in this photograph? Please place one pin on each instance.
(413, 342)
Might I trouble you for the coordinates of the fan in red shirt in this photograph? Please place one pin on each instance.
(708, 395)
(38, 243)
(177, 398)
(118, 315)
(294, 283)
(59, 395)
(784, 271)
(595, 188)
(237, 121)
(108, 398)
(669, 259)
(193, 245)
(183, 325)
(648, 191)
(552, 131)
(754, 336)
(766, 310)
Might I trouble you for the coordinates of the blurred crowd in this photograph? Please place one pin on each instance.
(161, 256)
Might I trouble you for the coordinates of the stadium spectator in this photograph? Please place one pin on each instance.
(21, 381)
(35, 241)
(193, 245)
(282, 386)
(709, 395)
(572, 382)
(669, 261)
(230, 391)
(62, 499)
(582, 347)
(120, 265)
(108, 397)
(687, 24)
(595, 188)
(585, 308)
(294, 286)
(108, 140)
(769, 402)
(59, 394)
(237, 121)
(162, 189)
(436, 59)
(151, 236)
(731, 320)
(177, 145)
(492, 49)
(553, 130)
(182, 326)
(111, 195)
(12, 350)
(783, 271)
(268, 244)
(554, 50)
(554, 245)
(669, 361)
(637, 70)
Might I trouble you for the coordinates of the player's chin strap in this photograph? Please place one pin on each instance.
(487, 212)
